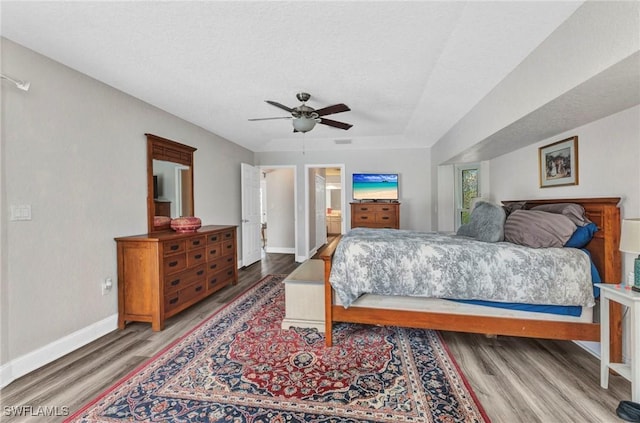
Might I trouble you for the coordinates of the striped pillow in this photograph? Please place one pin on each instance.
(573, 211)
(538, 229)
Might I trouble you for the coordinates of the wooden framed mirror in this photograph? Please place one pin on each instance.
(169, 181)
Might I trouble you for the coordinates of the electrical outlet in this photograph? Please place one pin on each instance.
(630, 278)
(106, 285)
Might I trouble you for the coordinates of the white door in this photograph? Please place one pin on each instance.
(250, 187)
(321, 211)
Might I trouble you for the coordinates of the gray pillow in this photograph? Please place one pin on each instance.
(538, 229)
(573, 211)
(486, 224)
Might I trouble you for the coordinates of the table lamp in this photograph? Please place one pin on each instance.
(630, 243)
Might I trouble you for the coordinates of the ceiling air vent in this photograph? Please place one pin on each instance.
(343, 141)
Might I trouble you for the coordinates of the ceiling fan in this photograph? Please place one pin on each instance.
(304, 118)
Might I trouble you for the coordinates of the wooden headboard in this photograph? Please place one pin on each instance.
(605, 213)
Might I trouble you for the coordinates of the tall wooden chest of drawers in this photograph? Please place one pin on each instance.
(161, 274)
(375, 215)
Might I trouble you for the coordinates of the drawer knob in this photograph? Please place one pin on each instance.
(173, 264)
(175, 282)
(174, 247)
(213, 266)
(196, 242)
(173, 300)
(213, 281)
(199, 288)
(213, 251)
(198, 256)
(200, 272)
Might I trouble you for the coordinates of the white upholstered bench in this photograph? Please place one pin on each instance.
(304, 296)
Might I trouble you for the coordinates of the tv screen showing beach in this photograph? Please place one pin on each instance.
(375, 186)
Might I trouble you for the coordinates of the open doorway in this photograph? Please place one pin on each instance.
(325, 199)
(278, 206)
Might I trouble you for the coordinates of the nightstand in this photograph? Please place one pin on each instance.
(624, 295)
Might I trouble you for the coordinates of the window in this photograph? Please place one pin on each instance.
(467, 188)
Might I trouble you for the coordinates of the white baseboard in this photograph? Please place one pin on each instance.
(280, 250)
(44, 355)
(591, 347)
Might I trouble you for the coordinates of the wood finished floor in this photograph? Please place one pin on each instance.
(515, 379)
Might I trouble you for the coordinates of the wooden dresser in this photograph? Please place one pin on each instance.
(375, 215)
(163, 273)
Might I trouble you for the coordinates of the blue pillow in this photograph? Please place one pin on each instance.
(582, 236)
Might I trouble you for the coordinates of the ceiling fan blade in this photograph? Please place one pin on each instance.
(335, 123)
(281, 106)
(330, 110)
(284, 117)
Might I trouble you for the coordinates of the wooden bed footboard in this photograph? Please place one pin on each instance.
(604, 212)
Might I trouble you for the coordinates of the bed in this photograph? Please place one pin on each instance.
(440, 314)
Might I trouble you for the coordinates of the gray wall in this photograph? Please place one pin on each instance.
(75, 150)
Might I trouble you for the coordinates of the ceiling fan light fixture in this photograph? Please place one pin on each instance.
(304, 118)
(304, 124)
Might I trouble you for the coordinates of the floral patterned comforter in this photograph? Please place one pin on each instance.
(428, 264)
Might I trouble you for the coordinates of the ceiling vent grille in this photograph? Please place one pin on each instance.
(343, 141)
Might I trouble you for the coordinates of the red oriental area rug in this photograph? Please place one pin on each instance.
(240, 366)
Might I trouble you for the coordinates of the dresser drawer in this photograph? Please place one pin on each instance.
(175, 263)
(219, 263)
(364, 208)
(196, 242)
(178, 281)
(173, 247)
(388, 217)
(227, 247)
(183, 296)
(214, 251)
(384, 208)
(368, 217)
(220, 279)
(195, 257)
(216, 237)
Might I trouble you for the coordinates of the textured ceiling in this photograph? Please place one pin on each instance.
(408, 70)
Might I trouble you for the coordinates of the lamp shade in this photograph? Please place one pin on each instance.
(304, 124)
(630, 237)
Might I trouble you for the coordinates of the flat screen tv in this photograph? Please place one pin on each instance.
(375, 186)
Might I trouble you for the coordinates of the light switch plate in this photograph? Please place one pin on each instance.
(20, 212)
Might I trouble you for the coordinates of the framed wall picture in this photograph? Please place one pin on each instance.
(558, 163)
